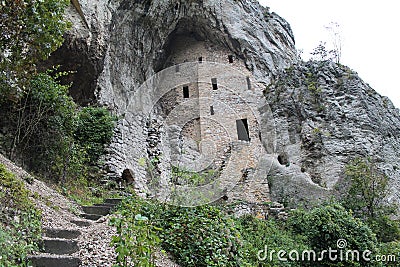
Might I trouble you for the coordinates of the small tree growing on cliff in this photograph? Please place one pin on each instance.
(366, 197)
(334, 30)
(367, 188)
(321, 52)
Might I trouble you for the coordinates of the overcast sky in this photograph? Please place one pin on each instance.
(369, 29)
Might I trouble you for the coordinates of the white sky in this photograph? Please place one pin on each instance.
(369, 29)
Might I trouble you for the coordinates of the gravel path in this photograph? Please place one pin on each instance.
(58, 212)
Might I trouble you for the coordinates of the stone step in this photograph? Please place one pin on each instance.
(61, 233)
(106, 204)
(92, 217)
(98, 210)
(59, 246)
(115, 201)
(81, 223)
(53, 261)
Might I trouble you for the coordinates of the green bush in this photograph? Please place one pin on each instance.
(390, 249)
(136, 239)
(192, 178)
(206, 236)
(268, 235)
(325, 226)
(20, 225)
(94, 130)
(366, 194)
(48, 132)
(386, 229)
(367, 189)
(30, 31)
(201, 236)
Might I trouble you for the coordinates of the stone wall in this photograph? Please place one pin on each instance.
(224, 93)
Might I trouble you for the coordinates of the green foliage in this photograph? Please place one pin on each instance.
(31, 30)
(201, 236)
(386, 229)
(366, 196)
(20, 225)
(41, 124)
(367, 188)
(182, 176)
(260, 234)
(46, 122)
(207, 236)
(390, 249)
(313, 85)
(136, 238)
(324, 226)
(94, 129)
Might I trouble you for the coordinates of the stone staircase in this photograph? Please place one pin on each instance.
(58, 245)
(96, 211)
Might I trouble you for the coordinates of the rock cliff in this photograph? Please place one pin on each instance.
(325, 115)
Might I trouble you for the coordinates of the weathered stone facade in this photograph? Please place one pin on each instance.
(129, 41)
(218, 113)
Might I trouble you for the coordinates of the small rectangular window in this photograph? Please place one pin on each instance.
(212, 110)
(186, 92)
(176, 68)
(214, 83)
(230, 58)
(243, 130)
(248, 83)
(200, 59)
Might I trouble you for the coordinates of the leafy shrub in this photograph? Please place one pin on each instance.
(46, 123)
(31, 30)
(367, 188)
(20, 226)
(201, 236)
(136, 238)
(94, 130)
(367, 191)
(390, 249)
(267, 235)
(324, 226)
(192, 178)
(386, 229)
(206, 236)
(41, 124)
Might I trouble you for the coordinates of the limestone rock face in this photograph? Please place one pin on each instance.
(325, 117)
(324, 114)
(128, 40)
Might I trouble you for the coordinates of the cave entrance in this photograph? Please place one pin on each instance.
(128, 176)
(243, 130)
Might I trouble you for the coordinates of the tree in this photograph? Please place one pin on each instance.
(368, 188)
(336, 38)
(321, 52)
(366, 197)
(30, 31)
